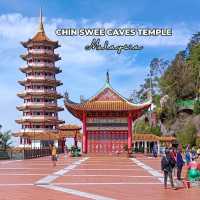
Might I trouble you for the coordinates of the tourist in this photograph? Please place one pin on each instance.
(54, 155)
(193, 153)
(179, 162)
(193, 172)
(65, 152)
(188, 155)
(167, 167)
(198, 152)
(155, 150)
(173, 157)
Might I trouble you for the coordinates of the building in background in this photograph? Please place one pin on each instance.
(40, 108)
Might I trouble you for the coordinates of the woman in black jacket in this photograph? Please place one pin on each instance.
(167, 165)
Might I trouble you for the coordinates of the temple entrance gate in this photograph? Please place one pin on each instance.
(107, 141)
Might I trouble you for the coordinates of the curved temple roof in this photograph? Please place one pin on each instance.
(107, 99)
(40, 36)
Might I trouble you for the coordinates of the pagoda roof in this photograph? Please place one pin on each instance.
(25, 69)
(152, 137)
(107, 99)
(43, 94)
(69, 127)
(47, 135)
(49, 82)
(40, 36)
(54, 57)
(43, 106)
(39, 120)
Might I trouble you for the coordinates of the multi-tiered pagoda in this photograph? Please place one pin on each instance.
(40, 108)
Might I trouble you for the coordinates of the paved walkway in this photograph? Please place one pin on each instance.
(101, 178)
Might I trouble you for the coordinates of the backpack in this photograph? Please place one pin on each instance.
(172, 162)
(165, 163)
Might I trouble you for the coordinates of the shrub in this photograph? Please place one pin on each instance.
(198, 141)
(197, 107)
(187, 135)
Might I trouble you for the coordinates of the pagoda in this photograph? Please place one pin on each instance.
(40, 108)
(107, 120)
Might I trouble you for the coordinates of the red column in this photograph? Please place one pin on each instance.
(129, 131)
(84, 140)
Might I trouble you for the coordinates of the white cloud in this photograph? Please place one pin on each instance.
(83, 72)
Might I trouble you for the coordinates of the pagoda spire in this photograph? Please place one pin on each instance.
(41, 26)
(107, 77)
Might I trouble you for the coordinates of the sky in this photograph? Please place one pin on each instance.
(84, 71)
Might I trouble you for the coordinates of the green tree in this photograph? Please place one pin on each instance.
(177, 81)
(187, 135)
(193, 61)
(143, 126)
(5, 138)
(197, 107)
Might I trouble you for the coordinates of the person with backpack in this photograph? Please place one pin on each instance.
(167, 165)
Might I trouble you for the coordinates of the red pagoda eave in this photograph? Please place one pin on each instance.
(48, 81)
(32, 107)
(30, 68)
(78, 109)
(31, 43)
(54, 57)
(22, 121)
(43, 94)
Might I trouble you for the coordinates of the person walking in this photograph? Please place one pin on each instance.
(188, 156)
(167, 167)
(198, 152)
(173, 157)
(155, 150)
(54, 155)
(179, 162)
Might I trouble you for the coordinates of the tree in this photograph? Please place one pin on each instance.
(157, 68)
(197, 107)
(143, 126)
(193, 61)
(187, 135)
(177, 81)
(5, 138)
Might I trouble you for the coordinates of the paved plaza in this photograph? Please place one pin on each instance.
(101, 178)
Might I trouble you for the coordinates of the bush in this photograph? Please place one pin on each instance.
(197, 107)
(144, 127)
(187, 135)
(198, 141)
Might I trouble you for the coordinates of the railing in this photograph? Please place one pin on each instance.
(41, 77)
(41, 64)
(40, 90)
(46, 117)
(39, 104)
(38, 152)
(38, 51)
(38, 130)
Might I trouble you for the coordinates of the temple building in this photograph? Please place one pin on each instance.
(107, 120)
(40, 108)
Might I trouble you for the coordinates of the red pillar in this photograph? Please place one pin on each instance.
(84, 140)
(129, 131)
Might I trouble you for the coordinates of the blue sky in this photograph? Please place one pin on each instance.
(84, 72)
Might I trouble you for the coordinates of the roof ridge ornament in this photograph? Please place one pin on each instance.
(107, 79)
(41, 26)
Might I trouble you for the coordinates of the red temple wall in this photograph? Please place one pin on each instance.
(106, 141)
